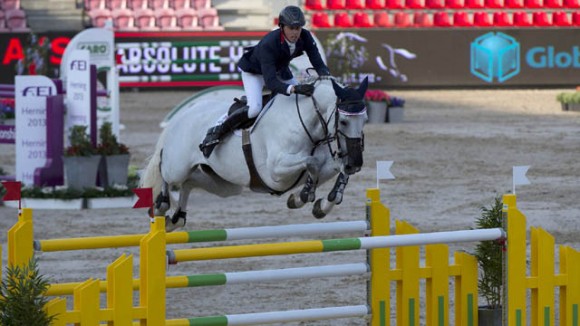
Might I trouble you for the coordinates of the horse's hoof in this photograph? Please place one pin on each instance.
(170, 226)
(293, 203)
(317, 210)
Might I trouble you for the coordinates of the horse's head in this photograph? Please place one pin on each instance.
(350, 119)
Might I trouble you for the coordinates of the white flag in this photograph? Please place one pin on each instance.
(519, 176)
(384, 170)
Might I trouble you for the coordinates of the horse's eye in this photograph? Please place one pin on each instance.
(343, 123)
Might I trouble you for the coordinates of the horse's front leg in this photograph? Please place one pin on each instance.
(308, 192)
(324, 206)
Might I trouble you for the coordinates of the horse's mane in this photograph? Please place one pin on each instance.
(313, 79)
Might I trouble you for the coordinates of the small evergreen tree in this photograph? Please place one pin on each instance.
(489, 256)
(21, 297)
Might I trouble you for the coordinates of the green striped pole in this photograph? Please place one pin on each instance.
(302, 247)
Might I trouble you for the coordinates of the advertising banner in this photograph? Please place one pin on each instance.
(31, 93)
(456, 57)
(78, 94)
(182, 58)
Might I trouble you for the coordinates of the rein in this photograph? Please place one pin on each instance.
(329, 138)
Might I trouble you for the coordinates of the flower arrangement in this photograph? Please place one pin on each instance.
(80, 143)
(108, 144)
(6, 108)
(376, 95)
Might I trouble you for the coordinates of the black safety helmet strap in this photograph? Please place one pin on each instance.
(291, 16)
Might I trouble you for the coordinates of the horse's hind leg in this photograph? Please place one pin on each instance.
(180, 216)
(324, 206)
(162, 201)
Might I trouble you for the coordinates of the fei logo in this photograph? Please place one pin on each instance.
(37, 91)
(78, 65)
(495, 56)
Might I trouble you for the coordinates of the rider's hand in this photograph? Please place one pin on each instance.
(305, 89)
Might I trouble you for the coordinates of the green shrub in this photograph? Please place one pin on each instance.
(21, 296)
(568, 97)
(489, 256)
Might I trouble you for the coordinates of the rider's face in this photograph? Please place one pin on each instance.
(292, 33)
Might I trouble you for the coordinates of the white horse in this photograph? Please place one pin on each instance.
(299, 140)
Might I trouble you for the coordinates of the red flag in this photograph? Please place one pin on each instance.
(144, 197)
(12, 190)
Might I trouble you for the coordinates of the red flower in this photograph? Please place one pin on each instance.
(376, 95)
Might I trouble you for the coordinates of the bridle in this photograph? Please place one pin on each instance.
(330, 137)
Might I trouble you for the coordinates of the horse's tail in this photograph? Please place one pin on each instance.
(152, 175)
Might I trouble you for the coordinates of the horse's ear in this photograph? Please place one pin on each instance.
(362, 89)
(337, 89)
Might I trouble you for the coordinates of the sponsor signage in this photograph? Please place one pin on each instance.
(31, 93)
(181, 59)
(78, 91)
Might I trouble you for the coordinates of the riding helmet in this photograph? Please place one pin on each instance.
(291, 16)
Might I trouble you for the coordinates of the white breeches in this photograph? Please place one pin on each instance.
(253, 85)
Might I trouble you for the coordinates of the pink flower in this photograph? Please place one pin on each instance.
(376, 95)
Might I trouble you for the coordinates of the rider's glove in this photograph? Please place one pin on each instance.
(305, 89)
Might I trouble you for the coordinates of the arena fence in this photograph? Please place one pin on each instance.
(406, 276)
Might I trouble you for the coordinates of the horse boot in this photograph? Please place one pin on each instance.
(216, 134)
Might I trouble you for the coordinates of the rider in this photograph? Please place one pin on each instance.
(267, 64)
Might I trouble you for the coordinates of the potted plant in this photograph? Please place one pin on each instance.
(489, 255)
(377, 104)
(81, 161)
(114, 166)
(395, 109)
(570, 101)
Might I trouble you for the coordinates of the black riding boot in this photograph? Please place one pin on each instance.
(216, 134)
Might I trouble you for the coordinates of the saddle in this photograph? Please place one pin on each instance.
(242, 104)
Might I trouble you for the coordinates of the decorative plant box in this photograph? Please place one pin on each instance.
(114, 170)
(110, 202)
(48, 203)
(81, 171)
(377, 112)
(396, 114)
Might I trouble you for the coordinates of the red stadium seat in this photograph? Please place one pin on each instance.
(320, 20)
(9, 4)
(178, 4)
(361, 19)
(501, 19)
(541, 19)
(434, 4)
(314, 5)
(572, 4)
(116, 4)
(99, 17)
(454, 4)
(335, 4)
(402, 19)
(496, 4)
(201, 4)
(3, 27)
(374, 4)
(354, 4)
(188, 19)
(481, 19)
(576, 18)
(394, 4)
(342, 19)
(158, 4)
(137, 4)
(441, 19)
(532, 4)
(166, 19)
(414, 4)
(145, 20)
(16, 20)
(462, 19)
(474, 4)
(422, 19)
(514, 4)
(94, 4)
(553, 4)
(560, 18)
(209, 19)
(381, 19)
(521, 19)
(123, 19)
